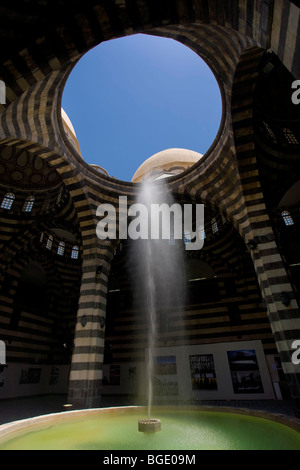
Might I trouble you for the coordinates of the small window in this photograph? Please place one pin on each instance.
(7, 201)
(28, 204)
(214, 225)
(49, 242)
(75, 252)
(287, 218)
(269, 131)
(61, 248)
(290, 137)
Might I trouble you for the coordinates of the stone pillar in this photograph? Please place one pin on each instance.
(87, 360)
(282, 306)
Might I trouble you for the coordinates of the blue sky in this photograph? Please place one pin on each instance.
(132, 97)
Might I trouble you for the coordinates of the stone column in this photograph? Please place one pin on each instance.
(282, 306)
(87, 360)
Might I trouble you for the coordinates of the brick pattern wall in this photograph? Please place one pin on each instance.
(231, 36)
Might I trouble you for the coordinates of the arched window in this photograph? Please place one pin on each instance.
(214, 225)
(61, 248)
(75, 252)
(287, 218)
(49, 242)
(28, 204)
(7, 201)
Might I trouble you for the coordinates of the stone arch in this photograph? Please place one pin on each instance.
(34, 68)
(268, 263)
(86, 25)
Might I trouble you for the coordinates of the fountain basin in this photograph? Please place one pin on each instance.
(209, 428)
(149, 425)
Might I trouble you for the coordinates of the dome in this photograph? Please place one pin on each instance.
(67, 121)
(69, 130)
(99, 169)
(166, 163)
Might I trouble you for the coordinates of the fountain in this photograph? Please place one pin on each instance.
(159, 258)
(185, 428)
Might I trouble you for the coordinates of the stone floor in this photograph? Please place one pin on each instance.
(27, 407)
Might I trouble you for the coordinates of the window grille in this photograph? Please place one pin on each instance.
(49, 242)
(75, 252)
(7, 201)
(214, 225)
(287, 218)
(61, 248)
(28, 204)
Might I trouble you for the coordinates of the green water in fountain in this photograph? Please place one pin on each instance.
(181, 430)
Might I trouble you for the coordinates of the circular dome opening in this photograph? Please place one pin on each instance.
(131, 98)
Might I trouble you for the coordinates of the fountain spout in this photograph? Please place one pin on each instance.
(149, 425)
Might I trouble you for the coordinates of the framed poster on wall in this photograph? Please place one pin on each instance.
(30, 375)
(114, 372)
(54, 376)
(245, 374)
(203, 373)
(165, 380)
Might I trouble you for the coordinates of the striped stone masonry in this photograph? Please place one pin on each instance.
(87, 358)
(237, 178)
